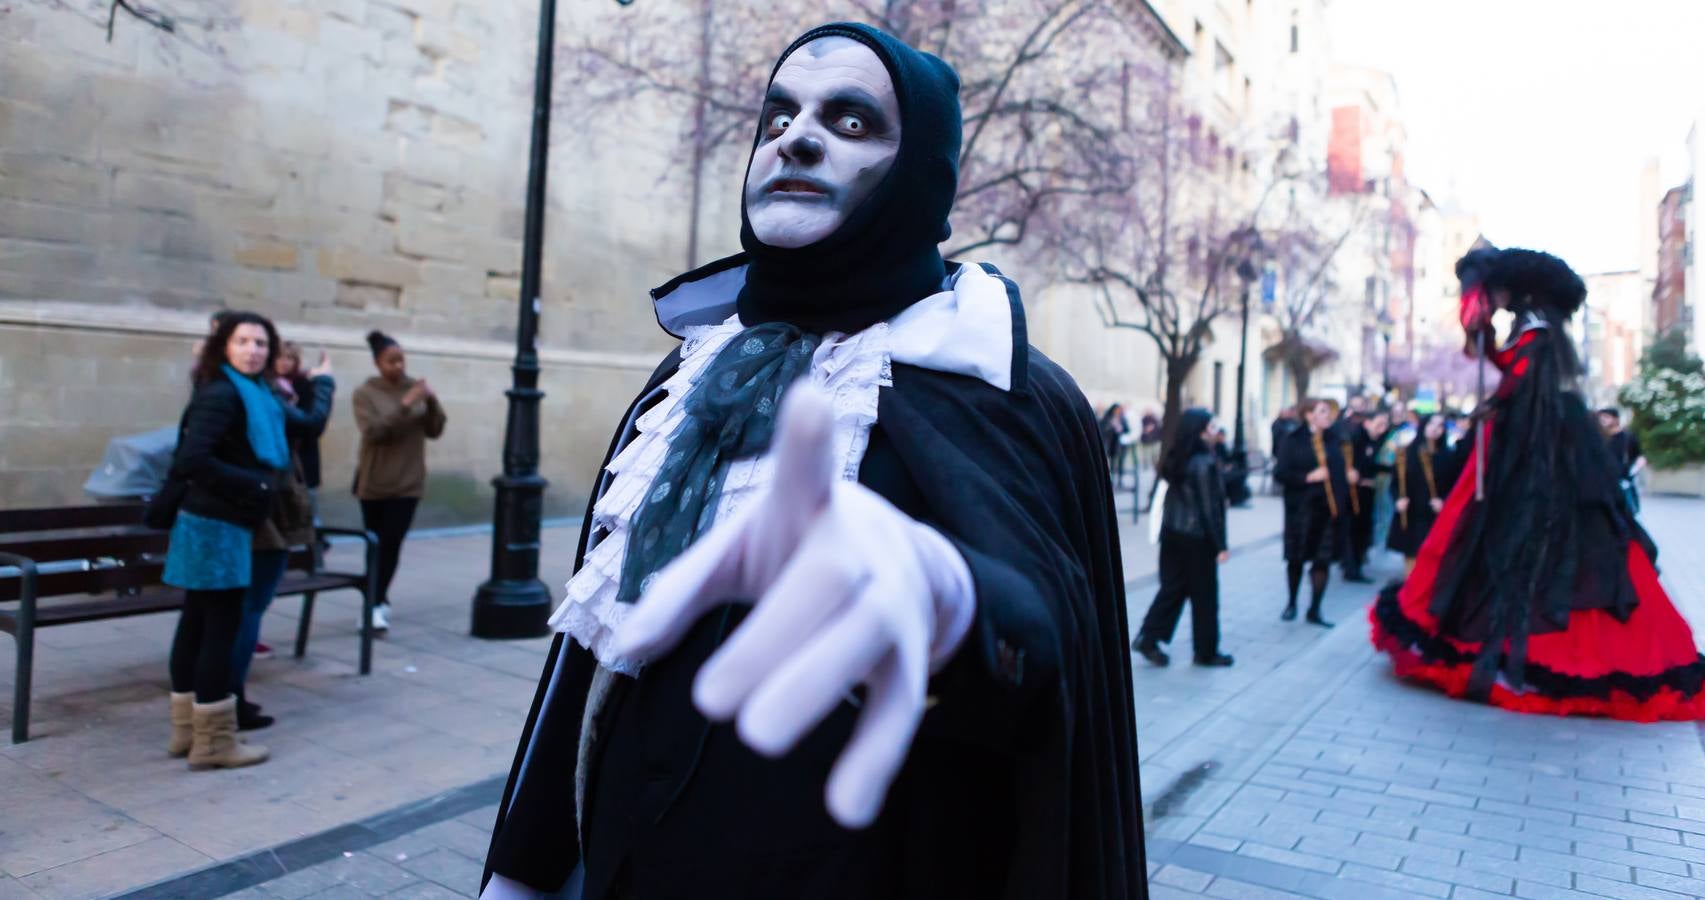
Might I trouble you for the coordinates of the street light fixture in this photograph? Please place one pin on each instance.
(1386, 326)
(513, 602)
(1248, 272)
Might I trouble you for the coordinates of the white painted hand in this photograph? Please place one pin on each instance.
(848, 590)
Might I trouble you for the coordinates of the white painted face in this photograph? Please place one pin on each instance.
(1435, 428)
(831, 130)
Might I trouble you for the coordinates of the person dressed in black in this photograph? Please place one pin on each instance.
(1366, 436)
(863, 636)
(1426, 470)
(1287, 421)
(1114, 427)
(1311, 466)
(1625, 452)
(1192, 546)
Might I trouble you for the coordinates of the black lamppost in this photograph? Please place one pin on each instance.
(1386, 326)
(1248, 274)
(513, 602)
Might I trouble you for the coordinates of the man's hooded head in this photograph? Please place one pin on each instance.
(853, 172)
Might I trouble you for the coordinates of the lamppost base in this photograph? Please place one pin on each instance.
(506, 610)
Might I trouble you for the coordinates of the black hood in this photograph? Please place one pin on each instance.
(883, 258)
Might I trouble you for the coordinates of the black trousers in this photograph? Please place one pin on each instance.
(389, 520)
(202, 647)
(1188, 571)
(1361, 528)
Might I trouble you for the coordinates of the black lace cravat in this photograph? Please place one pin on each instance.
(731, 414)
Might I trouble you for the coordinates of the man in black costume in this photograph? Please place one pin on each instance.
(1311, 465)
(1367, 435)
(890, 660)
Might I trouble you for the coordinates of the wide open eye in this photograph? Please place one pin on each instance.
(852, 124)
(777, 124)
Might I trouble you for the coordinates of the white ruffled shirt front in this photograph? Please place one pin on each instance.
(965, 329)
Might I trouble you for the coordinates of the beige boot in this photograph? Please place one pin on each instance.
(183, 714)
(216, 745)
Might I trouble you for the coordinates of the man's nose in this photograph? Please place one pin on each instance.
(801, 144)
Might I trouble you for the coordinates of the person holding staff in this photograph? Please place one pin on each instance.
(1311, 466)
(1425, 472)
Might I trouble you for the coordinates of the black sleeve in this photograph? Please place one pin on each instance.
(1210, 486)
(1294, 462)
(213, 411)
(310, 421)
(1634, 451)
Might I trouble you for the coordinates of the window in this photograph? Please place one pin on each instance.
(1219, 385)
(1295, 38)
(1225, 71)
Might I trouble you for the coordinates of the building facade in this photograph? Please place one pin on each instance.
(1669, 295)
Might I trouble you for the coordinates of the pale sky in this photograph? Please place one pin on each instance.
(1538, 114)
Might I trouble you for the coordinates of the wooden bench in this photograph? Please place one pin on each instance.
(100, 562)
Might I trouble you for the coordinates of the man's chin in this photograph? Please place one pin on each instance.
(792, 228)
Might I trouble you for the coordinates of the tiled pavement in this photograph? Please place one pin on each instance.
(92, 805)
(1306, 770)
(1328, 778)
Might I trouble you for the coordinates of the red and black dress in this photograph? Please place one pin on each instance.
(1542, 597)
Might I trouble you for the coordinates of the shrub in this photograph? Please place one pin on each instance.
(1667, 401)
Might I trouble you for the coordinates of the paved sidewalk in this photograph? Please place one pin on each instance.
(1305, 770)
(1329, 778)
(92, 804)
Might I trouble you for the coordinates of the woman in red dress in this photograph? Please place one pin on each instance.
(1540, 594)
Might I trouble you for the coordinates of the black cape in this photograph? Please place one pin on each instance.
(1022, 781)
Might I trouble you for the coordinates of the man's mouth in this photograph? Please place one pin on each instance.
(799, 187)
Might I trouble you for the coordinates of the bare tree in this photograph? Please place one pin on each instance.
(183, 28)
(1305, 247)
(1157, 257)
(1028, 70)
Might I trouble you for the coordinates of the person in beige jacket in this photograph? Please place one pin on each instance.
(396, 415)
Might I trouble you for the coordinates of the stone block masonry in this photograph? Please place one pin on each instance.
(336, 165)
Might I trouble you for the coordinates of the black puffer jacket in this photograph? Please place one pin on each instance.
(1195, 506)
(226, 480)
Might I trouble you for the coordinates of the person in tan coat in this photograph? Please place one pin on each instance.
(396, 415)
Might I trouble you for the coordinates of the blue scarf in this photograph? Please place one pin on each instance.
(266, 419)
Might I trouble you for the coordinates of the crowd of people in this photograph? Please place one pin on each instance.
(240, 497)
(1535, 587)
(1354, 478)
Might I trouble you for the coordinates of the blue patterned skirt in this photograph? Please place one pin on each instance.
(207, 554)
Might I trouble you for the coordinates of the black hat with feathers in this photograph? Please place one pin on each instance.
(1532, 277)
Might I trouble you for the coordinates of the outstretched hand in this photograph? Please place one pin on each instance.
(846, 591)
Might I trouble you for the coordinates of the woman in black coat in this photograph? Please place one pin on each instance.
(222, 485)
(1426, 471)
(1311, 467)
(1192, 544)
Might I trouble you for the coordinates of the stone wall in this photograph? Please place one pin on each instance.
(337, 165)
